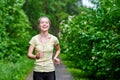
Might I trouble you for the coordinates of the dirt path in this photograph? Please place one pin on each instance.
(61, 74)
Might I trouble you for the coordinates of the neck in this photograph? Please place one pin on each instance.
(44, 34)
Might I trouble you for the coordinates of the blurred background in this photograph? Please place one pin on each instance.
(88, 32)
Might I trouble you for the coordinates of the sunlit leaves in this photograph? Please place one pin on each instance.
(14, 29)
(91, 41)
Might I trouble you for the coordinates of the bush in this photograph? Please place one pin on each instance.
(14, 31)
(92, 45)
(15, 71)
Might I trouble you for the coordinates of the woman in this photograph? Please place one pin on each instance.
(43, 44)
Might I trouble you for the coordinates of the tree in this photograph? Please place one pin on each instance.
(57, 10)
(91, 39)
(14, 29)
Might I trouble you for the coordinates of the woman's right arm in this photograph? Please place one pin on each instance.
(30, 52)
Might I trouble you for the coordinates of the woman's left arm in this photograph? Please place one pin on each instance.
(56, 59)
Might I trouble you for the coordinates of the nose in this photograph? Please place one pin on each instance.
(44, 23)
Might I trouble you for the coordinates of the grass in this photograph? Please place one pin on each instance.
(15, 71)
(76, 73)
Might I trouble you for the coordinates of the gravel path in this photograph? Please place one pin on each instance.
(61, 73)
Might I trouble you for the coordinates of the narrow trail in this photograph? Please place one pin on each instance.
(61, 73)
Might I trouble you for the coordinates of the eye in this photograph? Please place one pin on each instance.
(41, 22)
(47, 22)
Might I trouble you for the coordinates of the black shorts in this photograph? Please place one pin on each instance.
(44, 75)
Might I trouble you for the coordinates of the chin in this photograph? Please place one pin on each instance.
(44, 30)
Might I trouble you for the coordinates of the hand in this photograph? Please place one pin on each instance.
(57, 61)
(39, 55)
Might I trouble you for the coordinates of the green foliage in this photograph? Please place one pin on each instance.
(57, 10)
(15, 71)
(92, 41)
(14, 30)
(77, 73)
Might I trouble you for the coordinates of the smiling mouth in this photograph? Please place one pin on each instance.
(45, 27)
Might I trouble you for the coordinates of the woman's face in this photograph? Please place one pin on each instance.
(44, 24)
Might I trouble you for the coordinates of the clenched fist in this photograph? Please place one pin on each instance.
(39, 55)
(57, 61)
